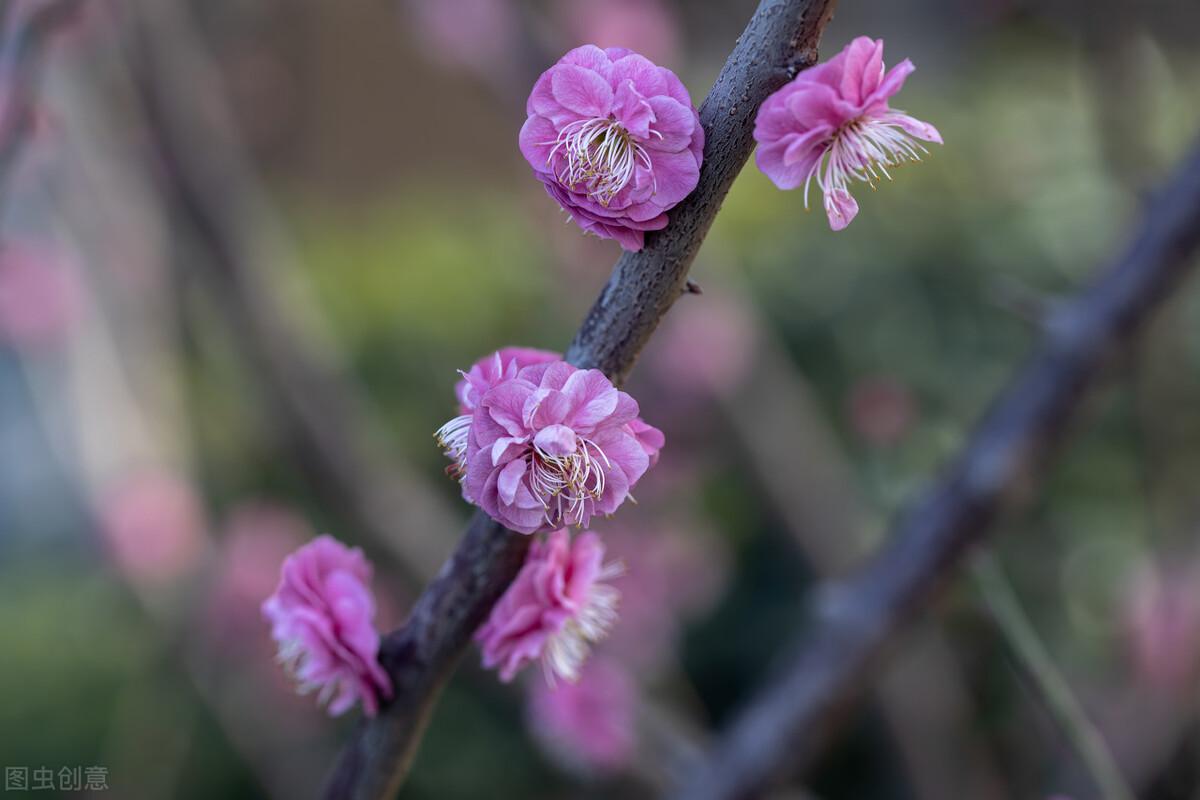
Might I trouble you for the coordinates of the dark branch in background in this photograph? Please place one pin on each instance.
(208, 183)
(787, 724)
(781, 39)
(26, 32)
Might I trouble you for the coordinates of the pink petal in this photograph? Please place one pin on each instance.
(537, 141)
(674, 122)
(581, 90)
(841, 208)
(556, 440)
(861, 69)
(509, 479)
(593, 397)
(633, 111)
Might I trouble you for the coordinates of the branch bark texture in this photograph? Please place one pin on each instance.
(780, 40)
(787, 724)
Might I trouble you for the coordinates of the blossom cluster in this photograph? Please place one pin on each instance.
(540, 444)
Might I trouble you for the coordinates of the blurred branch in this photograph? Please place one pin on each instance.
(780, 39)
(1033, 659)
(324, 417)
(27, 31)
(774, 416)
(786, 725)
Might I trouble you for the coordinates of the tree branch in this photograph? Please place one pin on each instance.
(788, 723)
(27, 33)
(780, 39)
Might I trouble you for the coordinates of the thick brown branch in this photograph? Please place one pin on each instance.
(780, 39)
(785, 727)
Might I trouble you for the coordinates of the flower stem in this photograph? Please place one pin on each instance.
(1032, 656)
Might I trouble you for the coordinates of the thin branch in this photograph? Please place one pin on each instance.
(1005, 608)
(322, 415)
(780, 39)
(27, 33)
(788, 723)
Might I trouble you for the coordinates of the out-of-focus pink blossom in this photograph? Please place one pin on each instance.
(671, 576)
(153, 525)
(833, 123)
(1162, 618)
(476, 35)
(615, 140)
(558, 606)
(590, 724)
(706, 344)
(40, 297)
(644, 26)
(322, 617)
(257, 538)
(553, 446)
(882, 410)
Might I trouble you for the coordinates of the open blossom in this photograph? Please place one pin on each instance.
(833, 123)
(615, 139)
(558, 606)
(554, 445)
(322, 616)
(589, 725)
(483, 375)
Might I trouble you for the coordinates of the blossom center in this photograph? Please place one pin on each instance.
(599, 155)
(862, 150)
(566, 482)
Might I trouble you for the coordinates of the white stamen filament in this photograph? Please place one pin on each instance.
(565, 484)
(862, 150)
(452, 438)
(600, 156)
(567, 650)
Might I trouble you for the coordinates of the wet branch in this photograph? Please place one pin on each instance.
(780, 39)
(784, 728)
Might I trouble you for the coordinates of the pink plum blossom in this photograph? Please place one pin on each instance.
(40, 297)
(558, 606)
(322, 617)
(554, 445)
(615, 140)
(153, 525)
(833, 123)
(589, 724)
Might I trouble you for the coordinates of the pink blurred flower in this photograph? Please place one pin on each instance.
(154, 526)
(40, 297)
(477, 35)
(589, 724)
(644, 26)
(833, 123)
(882, 410)
(322, 617)
(556, 608)
(483, 375)
(671, 576)
(706, 345)
(554, 446)
(258, 536)
(615, 140)
(1162, 618)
